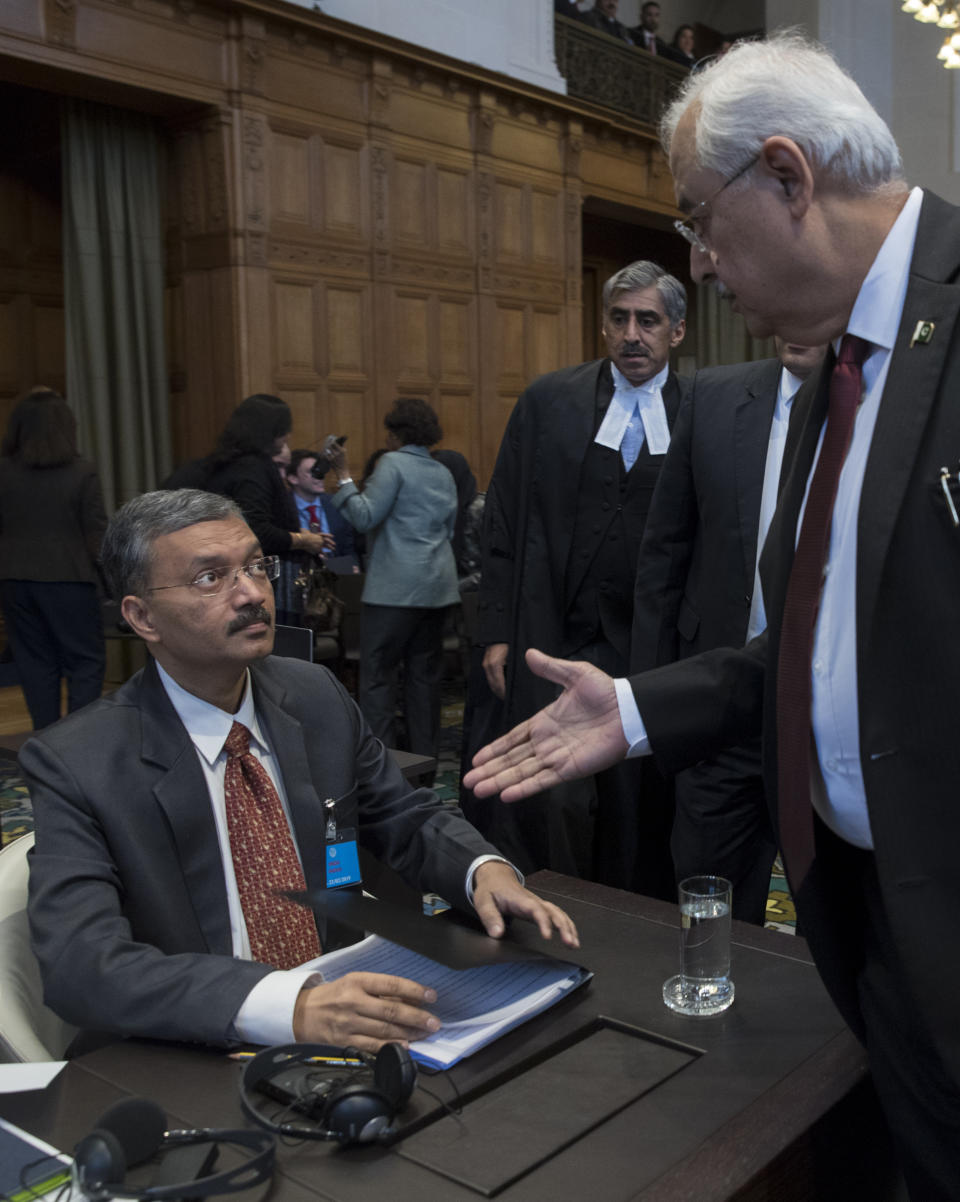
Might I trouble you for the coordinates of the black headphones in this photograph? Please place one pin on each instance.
(352, 1107)
(134, 1129)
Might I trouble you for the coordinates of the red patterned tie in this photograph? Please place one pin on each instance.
(314, 513)
(281, 933)
(794, 692)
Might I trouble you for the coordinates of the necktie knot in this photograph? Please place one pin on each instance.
(238, 740)
(853, 351)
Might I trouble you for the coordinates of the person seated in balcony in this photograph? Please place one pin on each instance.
(568, 8)
(681, 48)
(603, 16)
(645, 35)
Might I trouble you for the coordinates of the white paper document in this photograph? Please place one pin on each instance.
(475, 1005)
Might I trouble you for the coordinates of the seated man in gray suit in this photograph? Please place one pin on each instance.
(169, 814)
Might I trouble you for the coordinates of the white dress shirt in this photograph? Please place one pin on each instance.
(837, 789)
(788, 388)
(266, 1015)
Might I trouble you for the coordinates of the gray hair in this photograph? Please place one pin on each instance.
(788, 86)
(644, 274)
(128, 542)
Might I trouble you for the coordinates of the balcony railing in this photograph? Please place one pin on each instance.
(603, 70)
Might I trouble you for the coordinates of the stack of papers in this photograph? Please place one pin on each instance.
(475, 1005)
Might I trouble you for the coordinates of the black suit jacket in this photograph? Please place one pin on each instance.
(51, 521)
(695, 570)
(530, 515)
(128, 906)
(908, 653)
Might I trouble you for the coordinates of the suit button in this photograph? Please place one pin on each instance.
(608, 479)
(613, 538)
(596, 529)
(605, 506)
(585, 552)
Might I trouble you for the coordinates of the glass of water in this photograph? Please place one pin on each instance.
(703, 985)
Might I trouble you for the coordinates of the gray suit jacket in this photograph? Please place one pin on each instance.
(128, 906)
(410, 506)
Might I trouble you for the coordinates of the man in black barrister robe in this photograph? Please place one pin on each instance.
(564, 517)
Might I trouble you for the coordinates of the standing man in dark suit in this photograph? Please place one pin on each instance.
(155, 883)
(797, 204)
(697, 588)
(563, 520)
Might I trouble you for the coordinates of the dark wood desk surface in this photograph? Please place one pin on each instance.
(742, 1119)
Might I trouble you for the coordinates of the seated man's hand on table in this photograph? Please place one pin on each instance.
(364, 1010)
(497, 893)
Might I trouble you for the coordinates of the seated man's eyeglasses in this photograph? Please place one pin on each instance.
(210, 581)
(691, 226)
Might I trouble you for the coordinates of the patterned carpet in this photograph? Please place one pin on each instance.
(16, 817)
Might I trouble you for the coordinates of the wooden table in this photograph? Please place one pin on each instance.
(768, 1102)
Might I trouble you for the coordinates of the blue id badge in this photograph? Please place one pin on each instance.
(343, 861)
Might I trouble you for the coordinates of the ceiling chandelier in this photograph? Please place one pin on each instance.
(945, 16)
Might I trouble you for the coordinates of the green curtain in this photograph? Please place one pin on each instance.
(113, 291)
(722, 335)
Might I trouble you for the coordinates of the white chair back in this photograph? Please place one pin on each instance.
(28, 1029)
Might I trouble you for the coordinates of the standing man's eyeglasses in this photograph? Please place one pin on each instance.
(690, 226)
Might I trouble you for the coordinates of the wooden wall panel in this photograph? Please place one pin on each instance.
(347, 411)
(345, 326)
(289, 178)
(456, 334)
(303, 409)
(294, 305)
(409, 203)
(412, 342)
(454, 212)
(511, 222)
(546, 341)
(455, 411)
(546, 228)
(344, 190)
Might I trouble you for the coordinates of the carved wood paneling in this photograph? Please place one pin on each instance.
(295, 317)
(348, 217)
(289, 178)
(346, 330)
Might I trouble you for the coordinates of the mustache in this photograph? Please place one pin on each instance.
(634, 348)
(249, 616)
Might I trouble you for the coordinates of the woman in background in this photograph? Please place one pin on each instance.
(410, 501)
(682, 45)
(243, 466)
(51, 524)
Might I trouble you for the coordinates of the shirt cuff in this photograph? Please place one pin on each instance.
(634, 730)
(471, 871)
(266, 1015)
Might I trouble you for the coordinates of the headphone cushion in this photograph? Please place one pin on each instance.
(352, 1107)
(395, 1073)
(100, 1158)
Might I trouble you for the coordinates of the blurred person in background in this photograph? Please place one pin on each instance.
(246, 465)
(51, 524)
(410, 502)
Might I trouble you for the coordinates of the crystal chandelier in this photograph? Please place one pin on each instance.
(945, 16)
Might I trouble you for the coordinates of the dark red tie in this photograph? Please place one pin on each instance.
(314, 512)
(794, 692)
(281, 933)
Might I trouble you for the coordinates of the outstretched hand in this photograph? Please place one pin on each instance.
(577, 735)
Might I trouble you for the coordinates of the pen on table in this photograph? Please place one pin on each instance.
(348, 1060)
